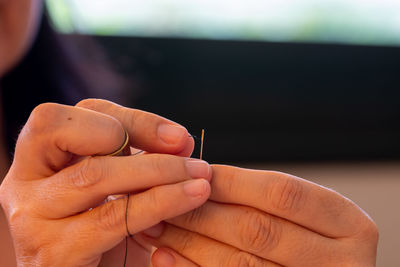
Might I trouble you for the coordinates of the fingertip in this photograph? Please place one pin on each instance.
(155, 231)
(197, 188)
(172, 134)
(163, 258)
(188, 147)
(174, 139)
(198, 168)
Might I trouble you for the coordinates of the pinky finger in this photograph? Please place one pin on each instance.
(166, 257)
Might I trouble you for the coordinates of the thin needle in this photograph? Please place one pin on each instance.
(202, 142)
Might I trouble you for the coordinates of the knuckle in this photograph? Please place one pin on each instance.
(260, 233)
(230, 183)
(43, 117)
(89, 103)
(287, 195)
(194, 217)
(39, 255)
(89, 172)
(151, 205)
(40, 249)
(113, 125)
(45, 109)
(333, 204)
(371, 231)
(135, 118)
(242, 259)
(159, 164)
(232, 177)
(184, 241)
(16, 215)
(116, 130)
(95, 104)
(153, 198)
(130, 116)
(45, 255)
(111, 216)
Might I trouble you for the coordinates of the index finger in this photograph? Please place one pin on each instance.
(147, 131)
(300, 201)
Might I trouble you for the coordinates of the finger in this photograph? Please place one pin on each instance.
(85, 184)
(147, 131)
(310, 205)
(258, 233)
(103, 227)
(138, 255)
(166, 257)
(204, 251)
(54, 133)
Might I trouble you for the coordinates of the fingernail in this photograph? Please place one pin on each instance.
(195, 188)
(164, 259)
(198, 168)
(154, 231)
(171, 134)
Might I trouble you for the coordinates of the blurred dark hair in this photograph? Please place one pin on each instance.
(58, 68)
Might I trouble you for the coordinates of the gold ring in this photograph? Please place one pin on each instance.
(126, 142)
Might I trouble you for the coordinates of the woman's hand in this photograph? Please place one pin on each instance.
(264, 218)
(54, 193)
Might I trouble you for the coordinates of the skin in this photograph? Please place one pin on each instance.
(6, 249)
(19, 20)
(54, 184)
(279, 220)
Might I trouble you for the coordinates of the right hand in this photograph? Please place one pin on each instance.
(53, 194)
(267, 218)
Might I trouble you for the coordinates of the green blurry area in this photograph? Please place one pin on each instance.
(335, 21)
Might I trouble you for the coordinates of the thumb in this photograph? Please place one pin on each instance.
(54, 133)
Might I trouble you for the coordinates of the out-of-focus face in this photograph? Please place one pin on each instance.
(19, 20)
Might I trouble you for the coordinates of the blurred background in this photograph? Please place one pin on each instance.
(307, 87)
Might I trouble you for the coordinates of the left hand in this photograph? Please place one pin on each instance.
(53, 194)
(139, 251)
(265, 218)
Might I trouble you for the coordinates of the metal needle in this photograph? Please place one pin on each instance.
(201, 146)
